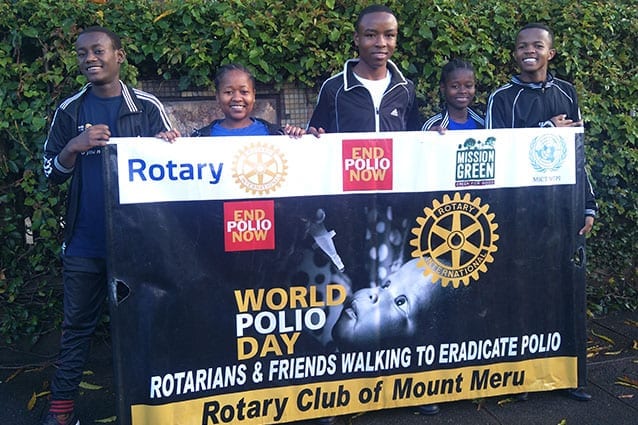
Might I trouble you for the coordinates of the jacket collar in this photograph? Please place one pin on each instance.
(549, 81)
(130, 100)
(350, 81)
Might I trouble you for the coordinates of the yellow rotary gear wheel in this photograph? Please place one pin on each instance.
(259, 168)
(455, 239)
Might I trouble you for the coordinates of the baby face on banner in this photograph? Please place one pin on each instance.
(394, 311)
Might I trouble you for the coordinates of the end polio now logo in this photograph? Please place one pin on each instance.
(367, 164)
(249, 225)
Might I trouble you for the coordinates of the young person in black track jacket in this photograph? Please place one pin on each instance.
(535, 98)
(521, 103)
(457, 87)
(81, 127)
(370, 94)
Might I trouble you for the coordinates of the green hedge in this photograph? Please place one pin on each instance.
(302, 41)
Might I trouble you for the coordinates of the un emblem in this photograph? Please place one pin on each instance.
(547, 153)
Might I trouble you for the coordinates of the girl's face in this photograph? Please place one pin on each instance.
(236, 97)
(459, 89)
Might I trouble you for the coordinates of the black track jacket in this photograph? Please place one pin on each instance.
(344, 105)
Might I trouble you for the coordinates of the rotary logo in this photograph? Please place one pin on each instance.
(547, 152)
(455, 240)
(259, 168)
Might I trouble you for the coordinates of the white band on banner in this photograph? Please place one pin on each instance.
(223, 168)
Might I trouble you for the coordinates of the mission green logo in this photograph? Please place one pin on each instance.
(475, 163)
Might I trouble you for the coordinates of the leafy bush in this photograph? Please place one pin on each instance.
(302, 41)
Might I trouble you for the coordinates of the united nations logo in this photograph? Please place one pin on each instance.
(547, 153)
(259, 168)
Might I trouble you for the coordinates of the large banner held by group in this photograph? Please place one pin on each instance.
(260, 280)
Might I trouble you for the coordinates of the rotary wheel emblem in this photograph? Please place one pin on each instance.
(455, 240)
(259, 168)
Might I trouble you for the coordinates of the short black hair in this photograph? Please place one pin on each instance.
(224, 69)
(452, 66)
(374, 8)
(115, 39)
(541, 26)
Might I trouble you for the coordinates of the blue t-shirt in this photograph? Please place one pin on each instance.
(255, 129)
(89, 235)
(470, 124)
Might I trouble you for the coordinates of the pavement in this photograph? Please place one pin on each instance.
(612, 376)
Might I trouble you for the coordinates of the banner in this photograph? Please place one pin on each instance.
(267, 279)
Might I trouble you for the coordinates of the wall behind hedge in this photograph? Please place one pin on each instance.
(302, 41)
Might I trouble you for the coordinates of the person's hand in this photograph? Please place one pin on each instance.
(91, 137)
(316, 131)
(438, 128)
(294, 131)
(95, 135)
(589, 223)
(169, 136)
(561, 120)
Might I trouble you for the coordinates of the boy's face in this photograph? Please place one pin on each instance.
(389, 311)
(459, 89)
(376, 39)
(99, 61)
(532, 53)
(236, 97)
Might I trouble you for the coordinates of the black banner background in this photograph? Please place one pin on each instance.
(172, 284)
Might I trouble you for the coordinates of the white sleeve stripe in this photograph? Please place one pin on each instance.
(130, 103)
(476, 117)
(155, 101)
(431, 122)
(61, 167)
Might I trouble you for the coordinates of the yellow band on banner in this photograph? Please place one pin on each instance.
(292, 403)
